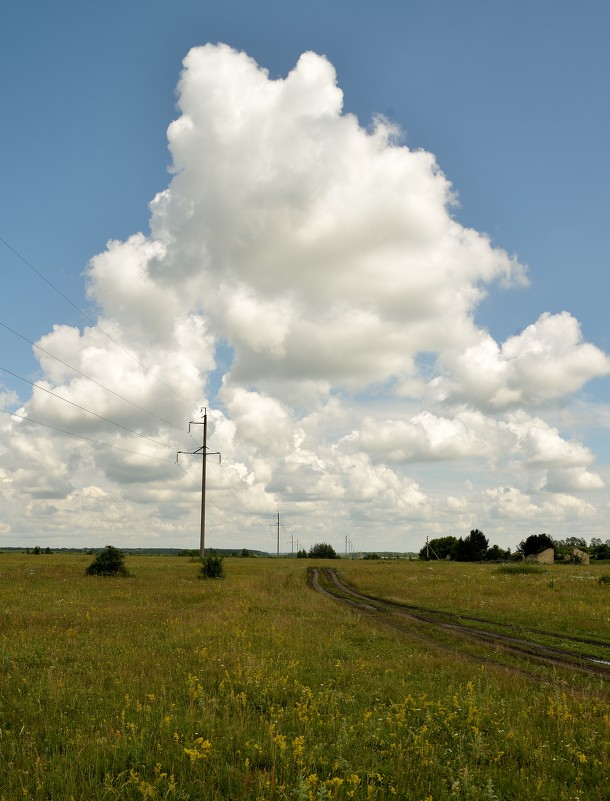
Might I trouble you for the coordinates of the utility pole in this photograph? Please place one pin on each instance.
(278, 533)
(204, 453)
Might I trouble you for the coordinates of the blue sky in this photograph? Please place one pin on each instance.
(510, 99)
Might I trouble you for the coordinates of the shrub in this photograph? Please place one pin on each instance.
(109, 562)
(212, 567)
(604, 579)
(322, 550)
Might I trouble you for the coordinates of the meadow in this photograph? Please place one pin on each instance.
(163, 686)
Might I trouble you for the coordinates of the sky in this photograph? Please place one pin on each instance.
(370, 239)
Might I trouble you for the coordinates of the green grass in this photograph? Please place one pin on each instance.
(163, 686)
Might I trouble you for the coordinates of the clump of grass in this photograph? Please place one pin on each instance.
(522, 567)
(604, 578)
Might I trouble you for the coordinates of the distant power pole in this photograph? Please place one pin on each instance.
(204, 453)
(278, 533)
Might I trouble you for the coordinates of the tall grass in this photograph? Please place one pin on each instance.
(563, 598)
(166, 687)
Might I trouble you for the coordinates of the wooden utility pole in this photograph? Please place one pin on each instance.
(204, 453)
(278, 533)
(204, 461)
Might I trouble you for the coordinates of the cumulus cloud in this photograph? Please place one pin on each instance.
(320, 249)
(299, 270)
(547, 360)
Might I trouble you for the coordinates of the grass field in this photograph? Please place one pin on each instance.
(162, 686)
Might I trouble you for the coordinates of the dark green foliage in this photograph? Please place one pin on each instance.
(496, 554)
(601, 551)
(605, 579)
(535, 544)
(439, 548)
(302, 554)
(473, 548)
(572, 542)
(109, 562)
(371, 556)
(212, 567)
(322, 550)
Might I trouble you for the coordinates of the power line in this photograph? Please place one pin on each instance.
(238, 495)
(82, 408)
(97, 383)
(93, 323)
(256, 518)
(80, 436)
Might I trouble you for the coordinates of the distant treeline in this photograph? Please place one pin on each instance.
(475, 548)
(37, 549)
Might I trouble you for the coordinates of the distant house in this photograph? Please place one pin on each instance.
(577, 557)
(546, 557)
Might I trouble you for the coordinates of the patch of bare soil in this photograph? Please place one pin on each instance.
(425, 625)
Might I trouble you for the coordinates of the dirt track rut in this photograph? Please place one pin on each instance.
(426, 624)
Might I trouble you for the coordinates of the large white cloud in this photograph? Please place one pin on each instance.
(545, 361)
(298, 267)
(321, 250)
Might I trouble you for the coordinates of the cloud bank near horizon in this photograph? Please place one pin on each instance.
(307, 279)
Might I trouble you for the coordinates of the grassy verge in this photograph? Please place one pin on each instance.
(163, 686)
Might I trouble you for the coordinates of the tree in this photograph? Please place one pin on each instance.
(600, 550)
(440, 548)
(535, 544)
(495, 553)
(302, 554)
(109, 562)
(322, 550)
(574, 542)
(473, 548)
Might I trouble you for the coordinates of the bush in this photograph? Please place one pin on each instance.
(109, 562)
(212, 567)
(322, 550)
(604, 579)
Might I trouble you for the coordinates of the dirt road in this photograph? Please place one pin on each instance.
(473, 638)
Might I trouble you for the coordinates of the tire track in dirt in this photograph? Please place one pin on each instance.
(423, 624)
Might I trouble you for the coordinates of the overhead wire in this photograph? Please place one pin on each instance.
(81, 436)
(88, 378)
(107, 389)
(82, 408)
(231, 486)
(255, 517)
(93, 323)
(209, 501)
